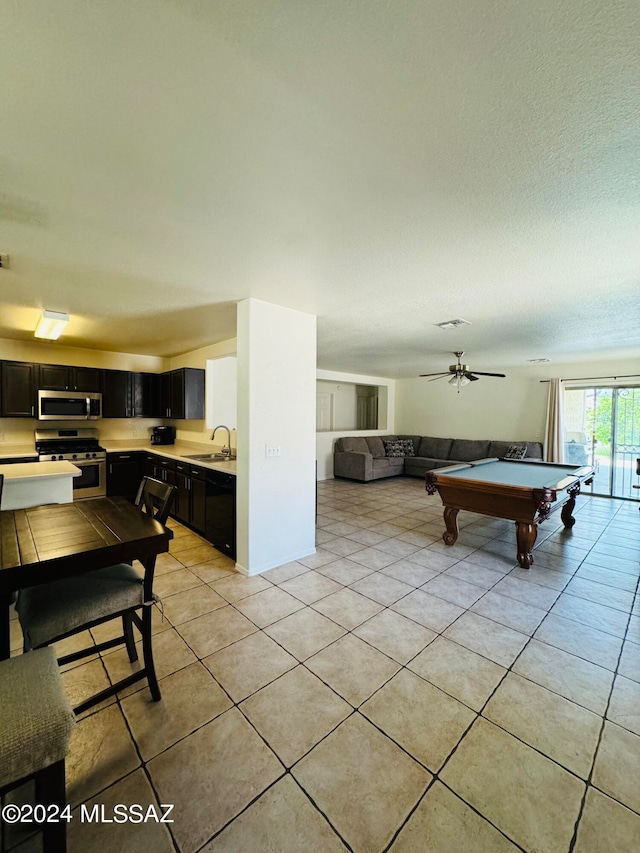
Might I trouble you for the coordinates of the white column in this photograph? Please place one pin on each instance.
(276, 435)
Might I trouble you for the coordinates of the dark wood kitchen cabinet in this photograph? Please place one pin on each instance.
(151, 466)
(182, 503)
(190, 502)
(205, 499)
(116, 394)
(140, 395)
(18, 397)
(124, 473)
(187, 393)
(60, 377)
(180, 394)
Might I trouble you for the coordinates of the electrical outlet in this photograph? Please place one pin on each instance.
(271, 450)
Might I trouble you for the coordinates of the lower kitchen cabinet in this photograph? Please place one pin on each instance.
(205, 500)
(182, 502)
(189, 505)
(124, 473)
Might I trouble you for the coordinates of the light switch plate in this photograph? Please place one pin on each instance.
(271, 450)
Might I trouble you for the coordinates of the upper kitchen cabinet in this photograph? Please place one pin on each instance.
(116, 394)
(182, 394)
(18, 398)
(187, 393)
(59, 377)
(141, 395)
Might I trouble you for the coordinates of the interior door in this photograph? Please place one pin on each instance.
(324, 411)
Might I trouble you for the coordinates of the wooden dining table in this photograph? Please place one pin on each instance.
(46, 543)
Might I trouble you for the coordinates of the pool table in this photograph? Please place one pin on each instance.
(525, 491)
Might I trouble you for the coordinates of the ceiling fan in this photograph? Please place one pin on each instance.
(460, 374)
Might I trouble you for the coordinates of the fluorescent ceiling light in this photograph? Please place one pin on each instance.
(51, 325)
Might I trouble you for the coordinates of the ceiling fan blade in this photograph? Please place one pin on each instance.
(471, 377)
(446, 373)
(480, 373)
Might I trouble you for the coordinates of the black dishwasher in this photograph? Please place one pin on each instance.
(221, 512)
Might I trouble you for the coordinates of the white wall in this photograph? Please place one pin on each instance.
(325, 440)
(221, 392)
(511, 409)
(276, 406)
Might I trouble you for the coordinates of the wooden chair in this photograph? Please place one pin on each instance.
(36, 722)
(51, 612)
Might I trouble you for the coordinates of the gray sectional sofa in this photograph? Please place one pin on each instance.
(364, 458)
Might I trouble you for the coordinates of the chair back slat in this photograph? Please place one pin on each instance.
(155, 498)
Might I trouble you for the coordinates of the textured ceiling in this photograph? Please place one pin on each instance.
(384, 165)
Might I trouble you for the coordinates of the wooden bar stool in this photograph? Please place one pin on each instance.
(36, 721)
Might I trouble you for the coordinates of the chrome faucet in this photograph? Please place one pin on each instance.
(226, 449)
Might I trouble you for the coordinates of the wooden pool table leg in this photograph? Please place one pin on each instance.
(526, 534)
(566, 514)
(451, 521)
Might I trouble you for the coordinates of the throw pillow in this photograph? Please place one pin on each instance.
(516, 451)
(408, 447)
(394, 448)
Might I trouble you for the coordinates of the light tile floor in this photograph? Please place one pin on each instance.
(386, 693)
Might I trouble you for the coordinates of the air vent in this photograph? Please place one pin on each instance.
(453, 324)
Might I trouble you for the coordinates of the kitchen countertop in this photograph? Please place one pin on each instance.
(178, 451)
(10, 451)
(36, 470)
(29, 484)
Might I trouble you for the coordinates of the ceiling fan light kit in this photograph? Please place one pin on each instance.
(460, 374)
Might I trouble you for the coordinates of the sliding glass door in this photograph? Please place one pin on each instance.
(602, 428)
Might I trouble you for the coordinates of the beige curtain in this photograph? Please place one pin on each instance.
(554, 432)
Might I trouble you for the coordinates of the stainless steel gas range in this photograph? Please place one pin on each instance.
(81, 447)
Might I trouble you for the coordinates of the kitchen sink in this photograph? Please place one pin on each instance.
(211, 457)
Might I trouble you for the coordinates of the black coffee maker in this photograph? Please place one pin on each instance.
(163, 435)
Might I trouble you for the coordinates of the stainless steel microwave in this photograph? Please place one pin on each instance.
(69, 406)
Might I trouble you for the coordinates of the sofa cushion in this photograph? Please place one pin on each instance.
(516, 451)
(501, 448)
(534, 449)
(375, 445)
(435, 448)
(415, 443)
(354, 443)
(381, 462)
(394, 448)
(466, 449)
